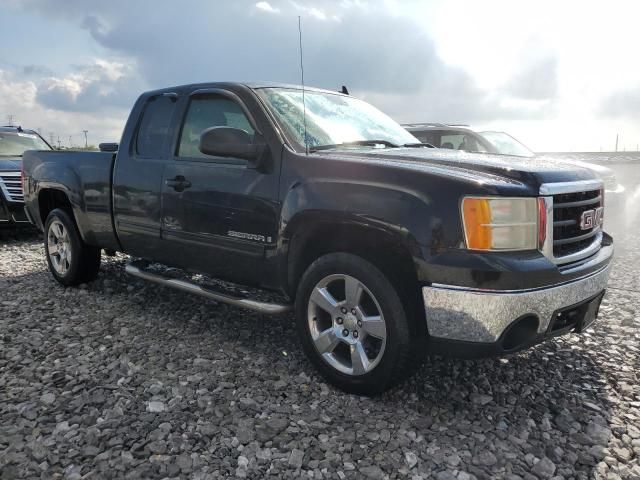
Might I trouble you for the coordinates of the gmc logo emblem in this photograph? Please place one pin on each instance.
(591, 218)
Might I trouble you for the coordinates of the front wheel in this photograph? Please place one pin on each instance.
(353, 325)
(70, 260)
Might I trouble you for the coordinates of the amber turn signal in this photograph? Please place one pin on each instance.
(496, 223)
(477, 218)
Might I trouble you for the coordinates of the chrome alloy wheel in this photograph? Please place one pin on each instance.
(59, 247)
(346, 324)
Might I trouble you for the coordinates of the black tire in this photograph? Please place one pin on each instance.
(397, 359)
(82, 261)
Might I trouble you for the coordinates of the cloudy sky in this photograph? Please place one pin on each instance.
(560, 76)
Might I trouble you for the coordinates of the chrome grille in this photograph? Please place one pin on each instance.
(564, 202)
(11, 186)
(568, 236)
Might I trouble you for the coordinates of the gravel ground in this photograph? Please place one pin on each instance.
(125, 379)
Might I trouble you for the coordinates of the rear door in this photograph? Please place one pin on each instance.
(140, 164)
(219, 215)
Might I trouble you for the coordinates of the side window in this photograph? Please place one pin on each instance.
(207, 112)
(154, 126)
(425, 137)
(451, 141)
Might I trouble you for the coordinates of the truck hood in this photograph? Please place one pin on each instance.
(606, 174)
(10, 164)
(511, 169)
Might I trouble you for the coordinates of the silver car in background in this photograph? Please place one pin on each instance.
(461, 137)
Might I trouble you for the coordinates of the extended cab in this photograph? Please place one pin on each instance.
(385, 249)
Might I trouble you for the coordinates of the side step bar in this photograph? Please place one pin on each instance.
(262, 307)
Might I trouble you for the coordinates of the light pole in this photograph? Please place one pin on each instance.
(86, 145)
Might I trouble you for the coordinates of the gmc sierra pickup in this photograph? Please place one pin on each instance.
(386, 249)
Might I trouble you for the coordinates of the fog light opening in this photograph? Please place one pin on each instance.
(520, 333)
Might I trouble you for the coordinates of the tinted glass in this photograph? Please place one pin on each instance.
(154, 126)
(207, 112)
(15, 144)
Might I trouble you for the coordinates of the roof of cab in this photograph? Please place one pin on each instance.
(248, 85)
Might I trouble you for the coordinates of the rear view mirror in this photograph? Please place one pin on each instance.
(230, 142)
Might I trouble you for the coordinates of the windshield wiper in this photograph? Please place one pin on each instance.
(418, 145)
(365, 143)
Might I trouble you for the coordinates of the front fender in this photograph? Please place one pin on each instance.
(409, 216)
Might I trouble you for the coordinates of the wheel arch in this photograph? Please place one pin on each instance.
(391, 251)
(51, 198)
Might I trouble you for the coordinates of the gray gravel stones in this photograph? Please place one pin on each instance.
(124, 379)
(544, 468)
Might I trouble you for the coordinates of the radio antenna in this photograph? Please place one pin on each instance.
(304, 106)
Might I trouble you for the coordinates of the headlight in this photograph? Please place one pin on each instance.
(503, 223)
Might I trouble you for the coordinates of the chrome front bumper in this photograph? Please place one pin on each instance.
(476, 315)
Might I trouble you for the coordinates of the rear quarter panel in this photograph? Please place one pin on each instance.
(85, 178)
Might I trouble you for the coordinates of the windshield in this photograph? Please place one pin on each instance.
(14, 144)
(333, 119)
(506, 144)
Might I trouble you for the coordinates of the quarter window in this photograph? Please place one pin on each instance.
(154, 126)
(207, 112)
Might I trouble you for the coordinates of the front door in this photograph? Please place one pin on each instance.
(219, 215)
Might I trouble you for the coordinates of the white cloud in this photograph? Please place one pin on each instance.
(20, 98)
(266, 6)
(101, 83)
(16, 95)
(75, 83)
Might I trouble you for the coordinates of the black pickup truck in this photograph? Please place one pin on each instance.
(385, 248)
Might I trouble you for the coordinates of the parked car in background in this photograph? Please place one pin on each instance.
(505, 144)
(459, 137)
(615, 193)
(452, 137)
(14, 141)
(384, 249)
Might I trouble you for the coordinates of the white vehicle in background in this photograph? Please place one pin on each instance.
(613, 191)
(461, 137)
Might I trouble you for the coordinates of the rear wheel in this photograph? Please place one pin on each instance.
(70, 260)
(352, 324)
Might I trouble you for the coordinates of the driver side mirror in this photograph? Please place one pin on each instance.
(232, 142)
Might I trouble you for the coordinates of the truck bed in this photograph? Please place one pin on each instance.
(86, 179)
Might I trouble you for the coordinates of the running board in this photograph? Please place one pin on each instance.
(256, 306)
